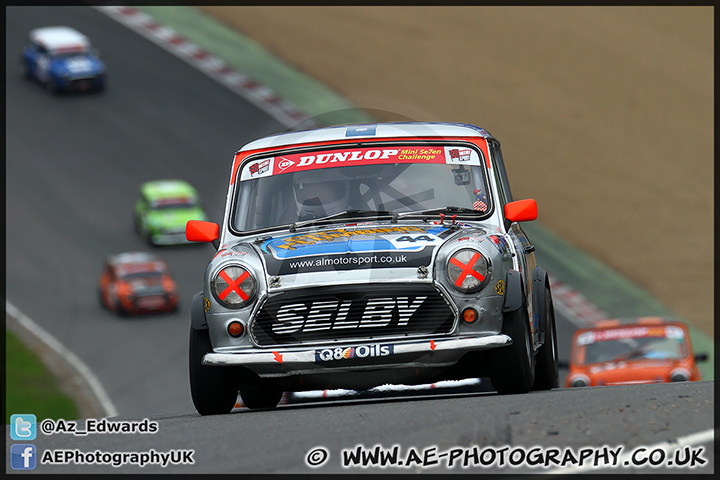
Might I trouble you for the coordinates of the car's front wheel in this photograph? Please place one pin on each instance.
(260, 396)
(149, 239)
(101, 299)
(213, 389)
(51, 86)
(27, 74)
(513, 367)
(546, 376)
(100, 87)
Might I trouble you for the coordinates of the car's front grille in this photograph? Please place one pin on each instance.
(150, 292)
(81, 83)
(154, 301)
(329, 314)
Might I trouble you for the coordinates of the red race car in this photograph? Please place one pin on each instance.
(135, 283)
(631, 351)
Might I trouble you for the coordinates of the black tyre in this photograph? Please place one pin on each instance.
(101, 299)
(149, 240)
(260, 396)
(51, 86)
(213, 389)
(513, 367)
(120, 310)
(114, 304)
(546, 374)
(26, 70)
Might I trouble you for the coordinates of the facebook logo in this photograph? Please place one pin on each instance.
(22, 427)
(22, 457)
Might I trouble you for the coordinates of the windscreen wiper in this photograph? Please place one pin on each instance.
(450, 209)
(351, 213)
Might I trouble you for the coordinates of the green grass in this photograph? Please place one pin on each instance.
(30, 387)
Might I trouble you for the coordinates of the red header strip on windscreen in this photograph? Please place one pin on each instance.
(359, 155)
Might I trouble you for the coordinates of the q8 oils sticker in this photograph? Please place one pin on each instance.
(362, 351)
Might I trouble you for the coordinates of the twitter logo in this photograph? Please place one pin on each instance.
(23, 426)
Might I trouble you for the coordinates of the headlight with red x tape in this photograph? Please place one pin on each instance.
(234, 286)
(467, 270)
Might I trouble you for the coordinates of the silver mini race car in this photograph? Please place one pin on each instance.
(355, 256)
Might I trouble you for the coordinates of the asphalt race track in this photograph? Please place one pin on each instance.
(74, 167)
(74, 164)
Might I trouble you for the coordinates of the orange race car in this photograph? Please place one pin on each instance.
(632, 351)
(135, 283)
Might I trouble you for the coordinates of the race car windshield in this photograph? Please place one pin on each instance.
(147, 276)
(173, 204)
(68, 55)
(286, 189)
(629, 348)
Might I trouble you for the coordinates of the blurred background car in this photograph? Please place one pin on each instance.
(632, 351)
(162, 210)
(134, 283)
(62, 59)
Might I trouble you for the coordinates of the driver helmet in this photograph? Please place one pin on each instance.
(319, 193)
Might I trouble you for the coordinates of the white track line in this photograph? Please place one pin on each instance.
(44, 336)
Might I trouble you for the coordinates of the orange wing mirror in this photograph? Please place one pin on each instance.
(199, 231)
(521, 210)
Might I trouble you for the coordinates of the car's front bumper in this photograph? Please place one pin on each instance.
(177, 238)
(76, 84)
(281, 362)
(149, 304)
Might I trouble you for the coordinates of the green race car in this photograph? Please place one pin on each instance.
(163, 209)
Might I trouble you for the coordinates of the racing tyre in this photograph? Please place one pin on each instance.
(513, 367)
(115, 305)
(546, 375)
(26, 70)
(257, 396)
(101, 299)
(51, 86)
(149, 240)
(213, 389)
(120, 309)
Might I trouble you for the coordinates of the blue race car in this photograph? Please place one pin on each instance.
(62, 59)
